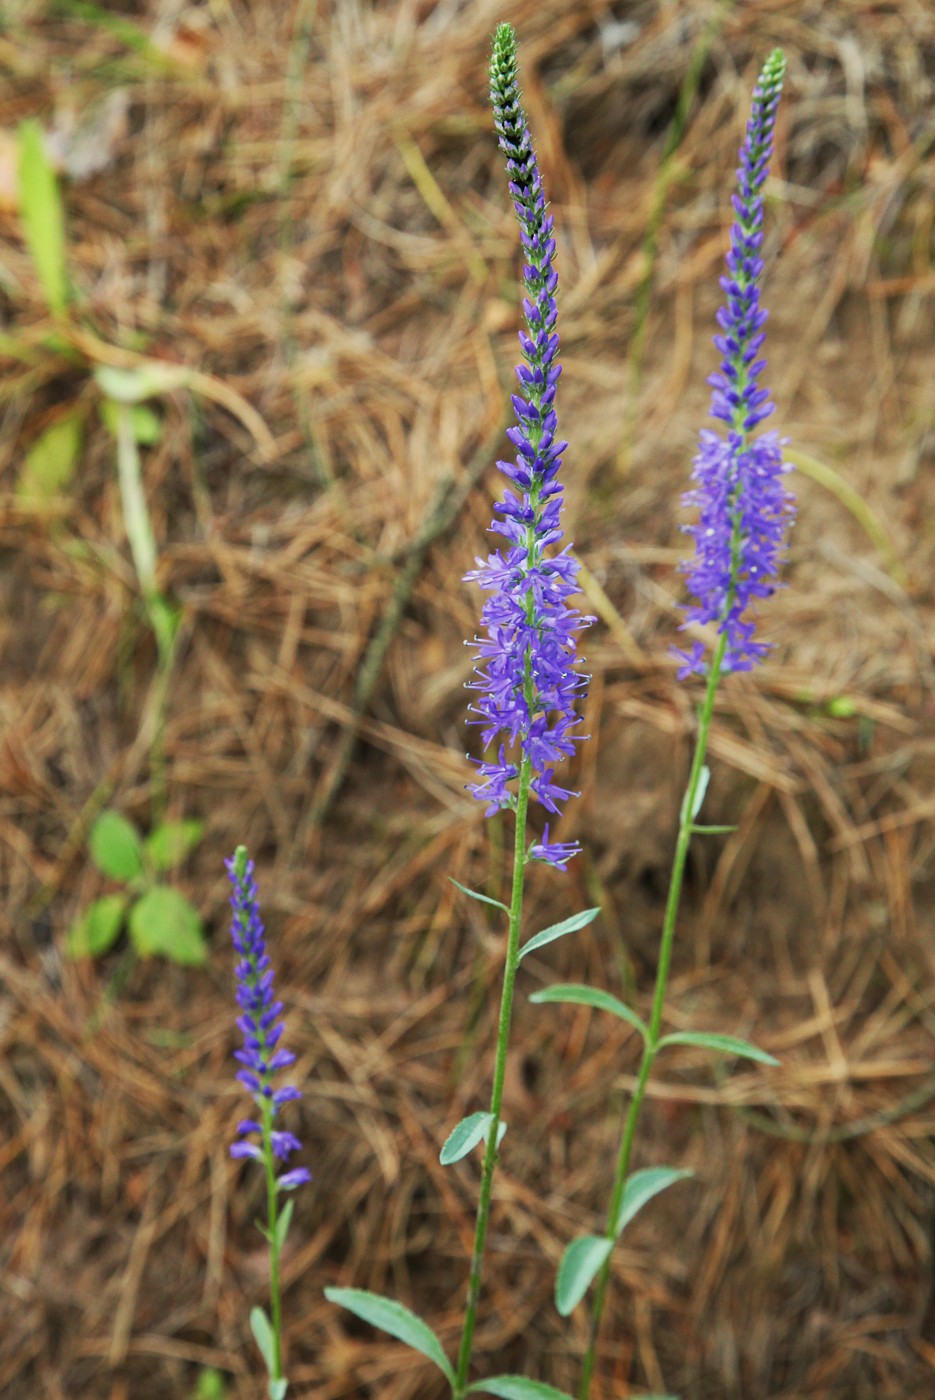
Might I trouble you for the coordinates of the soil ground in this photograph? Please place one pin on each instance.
(305, 204)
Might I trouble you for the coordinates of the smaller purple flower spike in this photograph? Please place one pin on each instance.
(743, 505)
(527, 681)
(261, 1029)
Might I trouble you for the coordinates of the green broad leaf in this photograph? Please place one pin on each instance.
(517, 1388)
(468, 1133)
(96, 930)
(147, 381)
(283, 1223)
(725, 1044)
(163, 924)
(640, 1188)
(170, 842)
(580, 1262)
(43, 216)
(549, 935)
(398, 1321)
(147, 427)
(704, 778)
(263, 1335)
(712, 830)
(484, 898)
(50, 462)
(115, 847)
(277, 1389)
(576, 994)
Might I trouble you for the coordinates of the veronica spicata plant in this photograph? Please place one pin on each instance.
(260, 1059)
(527, 687)
(743, 510)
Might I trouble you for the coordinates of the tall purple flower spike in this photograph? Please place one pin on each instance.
(527, 683)
(260, 1058)
(743, 504)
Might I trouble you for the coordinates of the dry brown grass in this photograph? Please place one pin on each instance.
(307, 207)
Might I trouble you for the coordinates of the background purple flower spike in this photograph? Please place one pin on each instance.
(261, 1055)
(527, 684)
(744, 507)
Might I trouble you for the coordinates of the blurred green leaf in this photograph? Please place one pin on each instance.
(580, 1262)
(263, 1333)
(96, 930)
(164, 924)
(467, 1134)
(277, 1389)
(211, 1386)
(115, 847)
(641, 1187)
(484, 898)
(132, 386)
(283, 1223)
(517, 1388)
(170, 842)
(398, 1321)
(51, 461)
(147, 426)
(577, 994)
(43, 216)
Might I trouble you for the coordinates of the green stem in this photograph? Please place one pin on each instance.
(651, 1046)
(496, 1096)
(272, 1218)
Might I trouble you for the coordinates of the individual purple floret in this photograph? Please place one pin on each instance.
(259, 1025)
(527, 682)
(743, 504)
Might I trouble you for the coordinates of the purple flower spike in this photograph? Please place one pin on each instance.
(527, 683)
(743, 505)
(259, 1026)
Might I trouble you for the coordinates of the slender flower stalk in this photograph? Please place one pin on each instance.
(743, 511)
(261, 1057)
(527, 682)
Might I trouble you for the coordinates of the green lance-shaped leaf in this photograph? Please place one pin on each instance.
(51, 461)
(576, 994)
(115, 847)
(43, 216)
(580, 1263)
(164, 924)
(277, 1389)
(398, 1321)
(549, 935)
(640, 1188)
(484, 898)
(96, 930)
(517, 1388)
(466, 1135)
(724, 1044)
(170, 842)
(263, 1333)
(282, 1224)
(704, 778)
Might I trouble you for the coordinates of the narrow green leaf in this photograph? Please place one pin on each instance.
(398, 1321)
(263, 1334)
(549, 935)
(577, 994)
(277, 1389)
(704, 778)
(580, 1262)
(484, 898)
(726, 1044)
(164, 924)
(210, 1386)
(115, 847)
(712, 830)
(282, 1224)
(517, 1388)
(170, 842)
(641, 1187)
(43, 216)
(462, 1138)
(96, 930)
(50, 462)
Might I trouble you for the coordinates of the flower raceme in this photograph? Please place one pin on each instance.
(261, 1055)
(743, 505)
(527, 683)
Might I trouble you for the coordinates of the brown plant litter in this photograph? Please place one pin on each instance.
(302, 205)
